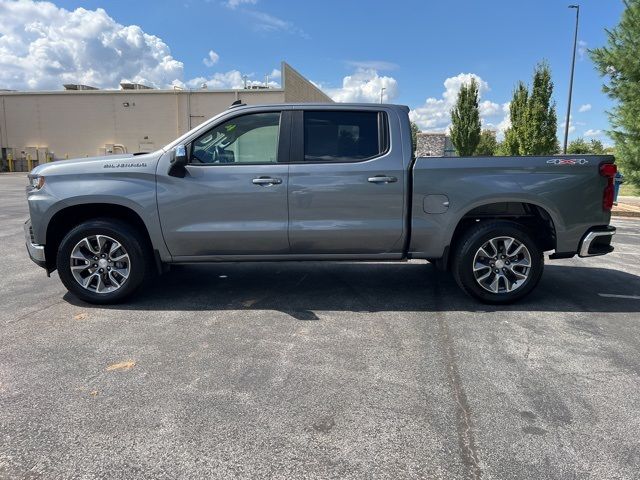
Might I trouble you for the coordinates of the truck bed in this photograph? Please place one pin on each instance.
(569, 189)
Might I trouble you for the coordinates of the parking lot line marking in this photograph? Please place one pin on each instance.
(613, 295)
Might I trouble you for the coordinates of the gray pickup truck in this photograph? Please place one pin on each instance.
(314, 182)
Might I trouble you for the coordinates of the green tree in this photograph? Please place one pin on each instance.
(579, 145)
(619, 63)
(488, 144)
(592, 147)
(465, 119)
(415, 130)
(596, 147)
(541, 121)
(533, 117)
(514, 135)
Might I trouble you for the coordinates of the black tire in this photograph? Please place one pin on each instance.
(132, 241)
(462, 263)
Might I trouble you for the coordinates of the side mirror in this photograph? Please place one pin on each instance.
(178, 161)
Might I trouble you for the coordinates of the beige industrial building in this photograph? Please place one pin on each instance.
(79, 121)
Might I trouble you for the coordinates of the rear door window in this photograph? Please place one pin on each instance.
(343, 136)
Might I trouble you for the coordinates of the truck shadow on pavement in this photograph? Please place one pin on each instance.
(299, 289)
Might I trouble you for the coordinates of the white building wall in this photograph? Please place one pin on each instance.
(81, 123)
(78, 123)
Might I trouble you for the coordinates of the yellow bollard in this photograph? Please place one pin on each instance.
(10, 161)
(29, 162)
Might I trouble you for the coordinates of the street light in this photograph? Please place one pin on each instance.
(382, 93)
(573, 65)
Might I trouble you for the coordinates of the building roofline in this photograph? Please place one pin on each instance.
(284, 66)
(137, 92)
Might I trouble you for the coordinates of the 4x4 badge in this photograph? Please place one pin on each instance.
(568, 161)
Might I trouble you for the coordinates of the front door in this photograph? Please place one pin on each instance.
(346, 183)
(233, 197)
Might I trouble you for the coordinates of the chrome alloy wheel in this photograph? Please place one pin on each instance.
(502, 265)
(100, 264)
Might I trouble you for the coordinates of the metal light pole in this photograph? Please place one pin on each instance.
(382, 93)
(573, 65)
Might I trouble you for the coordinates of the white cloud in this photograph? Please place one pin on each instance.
(233, 79)
(263, 21)
(266, 22)
(488, 108)
(372, 64)
(572, 126)
(582, 48)
(592, 133)
(211, 59)
(43, 46)
(584, 108)
(237, 3)
(435, 113)
(506, 120)
(364, 86)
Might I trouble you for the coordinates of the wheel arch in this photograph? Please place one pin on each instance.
(539, 221)
(66, 218)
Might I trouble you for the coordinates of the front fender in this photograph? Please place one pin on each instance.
(133, 190)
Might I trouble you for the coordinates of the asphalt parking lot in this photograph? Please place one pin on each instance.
(319, 370)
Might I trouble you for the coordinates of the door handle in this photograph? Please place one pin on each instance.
(382, 179)
(266, 181)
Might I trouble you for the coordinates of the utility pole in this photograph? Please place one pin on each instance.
(382, 93)
(573, 66)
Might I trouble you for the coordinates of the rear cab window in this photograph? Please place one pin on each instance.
(344, 136)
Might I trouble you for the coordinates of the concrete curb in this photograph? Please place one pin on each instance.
(622, 213)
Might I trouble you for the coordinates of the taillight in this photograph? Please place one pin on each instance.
(609, 171)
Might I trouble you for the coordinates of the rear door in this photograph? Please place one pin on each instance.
(346, 183)
(233, 197)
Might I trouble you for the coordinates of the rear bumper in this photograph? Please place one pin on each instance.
(36, 252)
(597, 241)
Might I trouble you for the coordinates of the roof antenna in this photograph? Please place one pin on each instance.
(237, 103)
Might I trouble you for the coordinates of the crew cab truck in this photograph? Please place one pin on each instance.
(314, 182)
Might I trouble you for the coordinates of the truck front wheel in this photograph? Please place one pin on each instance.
(102, 261)
(497, 262)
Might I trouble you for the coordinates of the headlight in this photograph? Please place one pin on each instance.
(36, 181)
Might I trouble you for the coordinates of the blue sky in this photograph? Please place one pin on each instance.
(411, 47)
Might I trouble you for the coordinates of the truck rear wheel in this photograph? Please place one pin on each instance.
(102, 261)
(497, 262)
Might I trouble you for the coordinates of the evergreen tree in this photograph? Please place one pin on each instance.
(488, 144)
(514, 135)
(541, 121)
(619, 63)
(465, 119)
(533, 118)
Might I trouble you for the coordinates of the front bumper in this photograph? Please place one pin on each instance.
(36, 252)
(597, 241)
